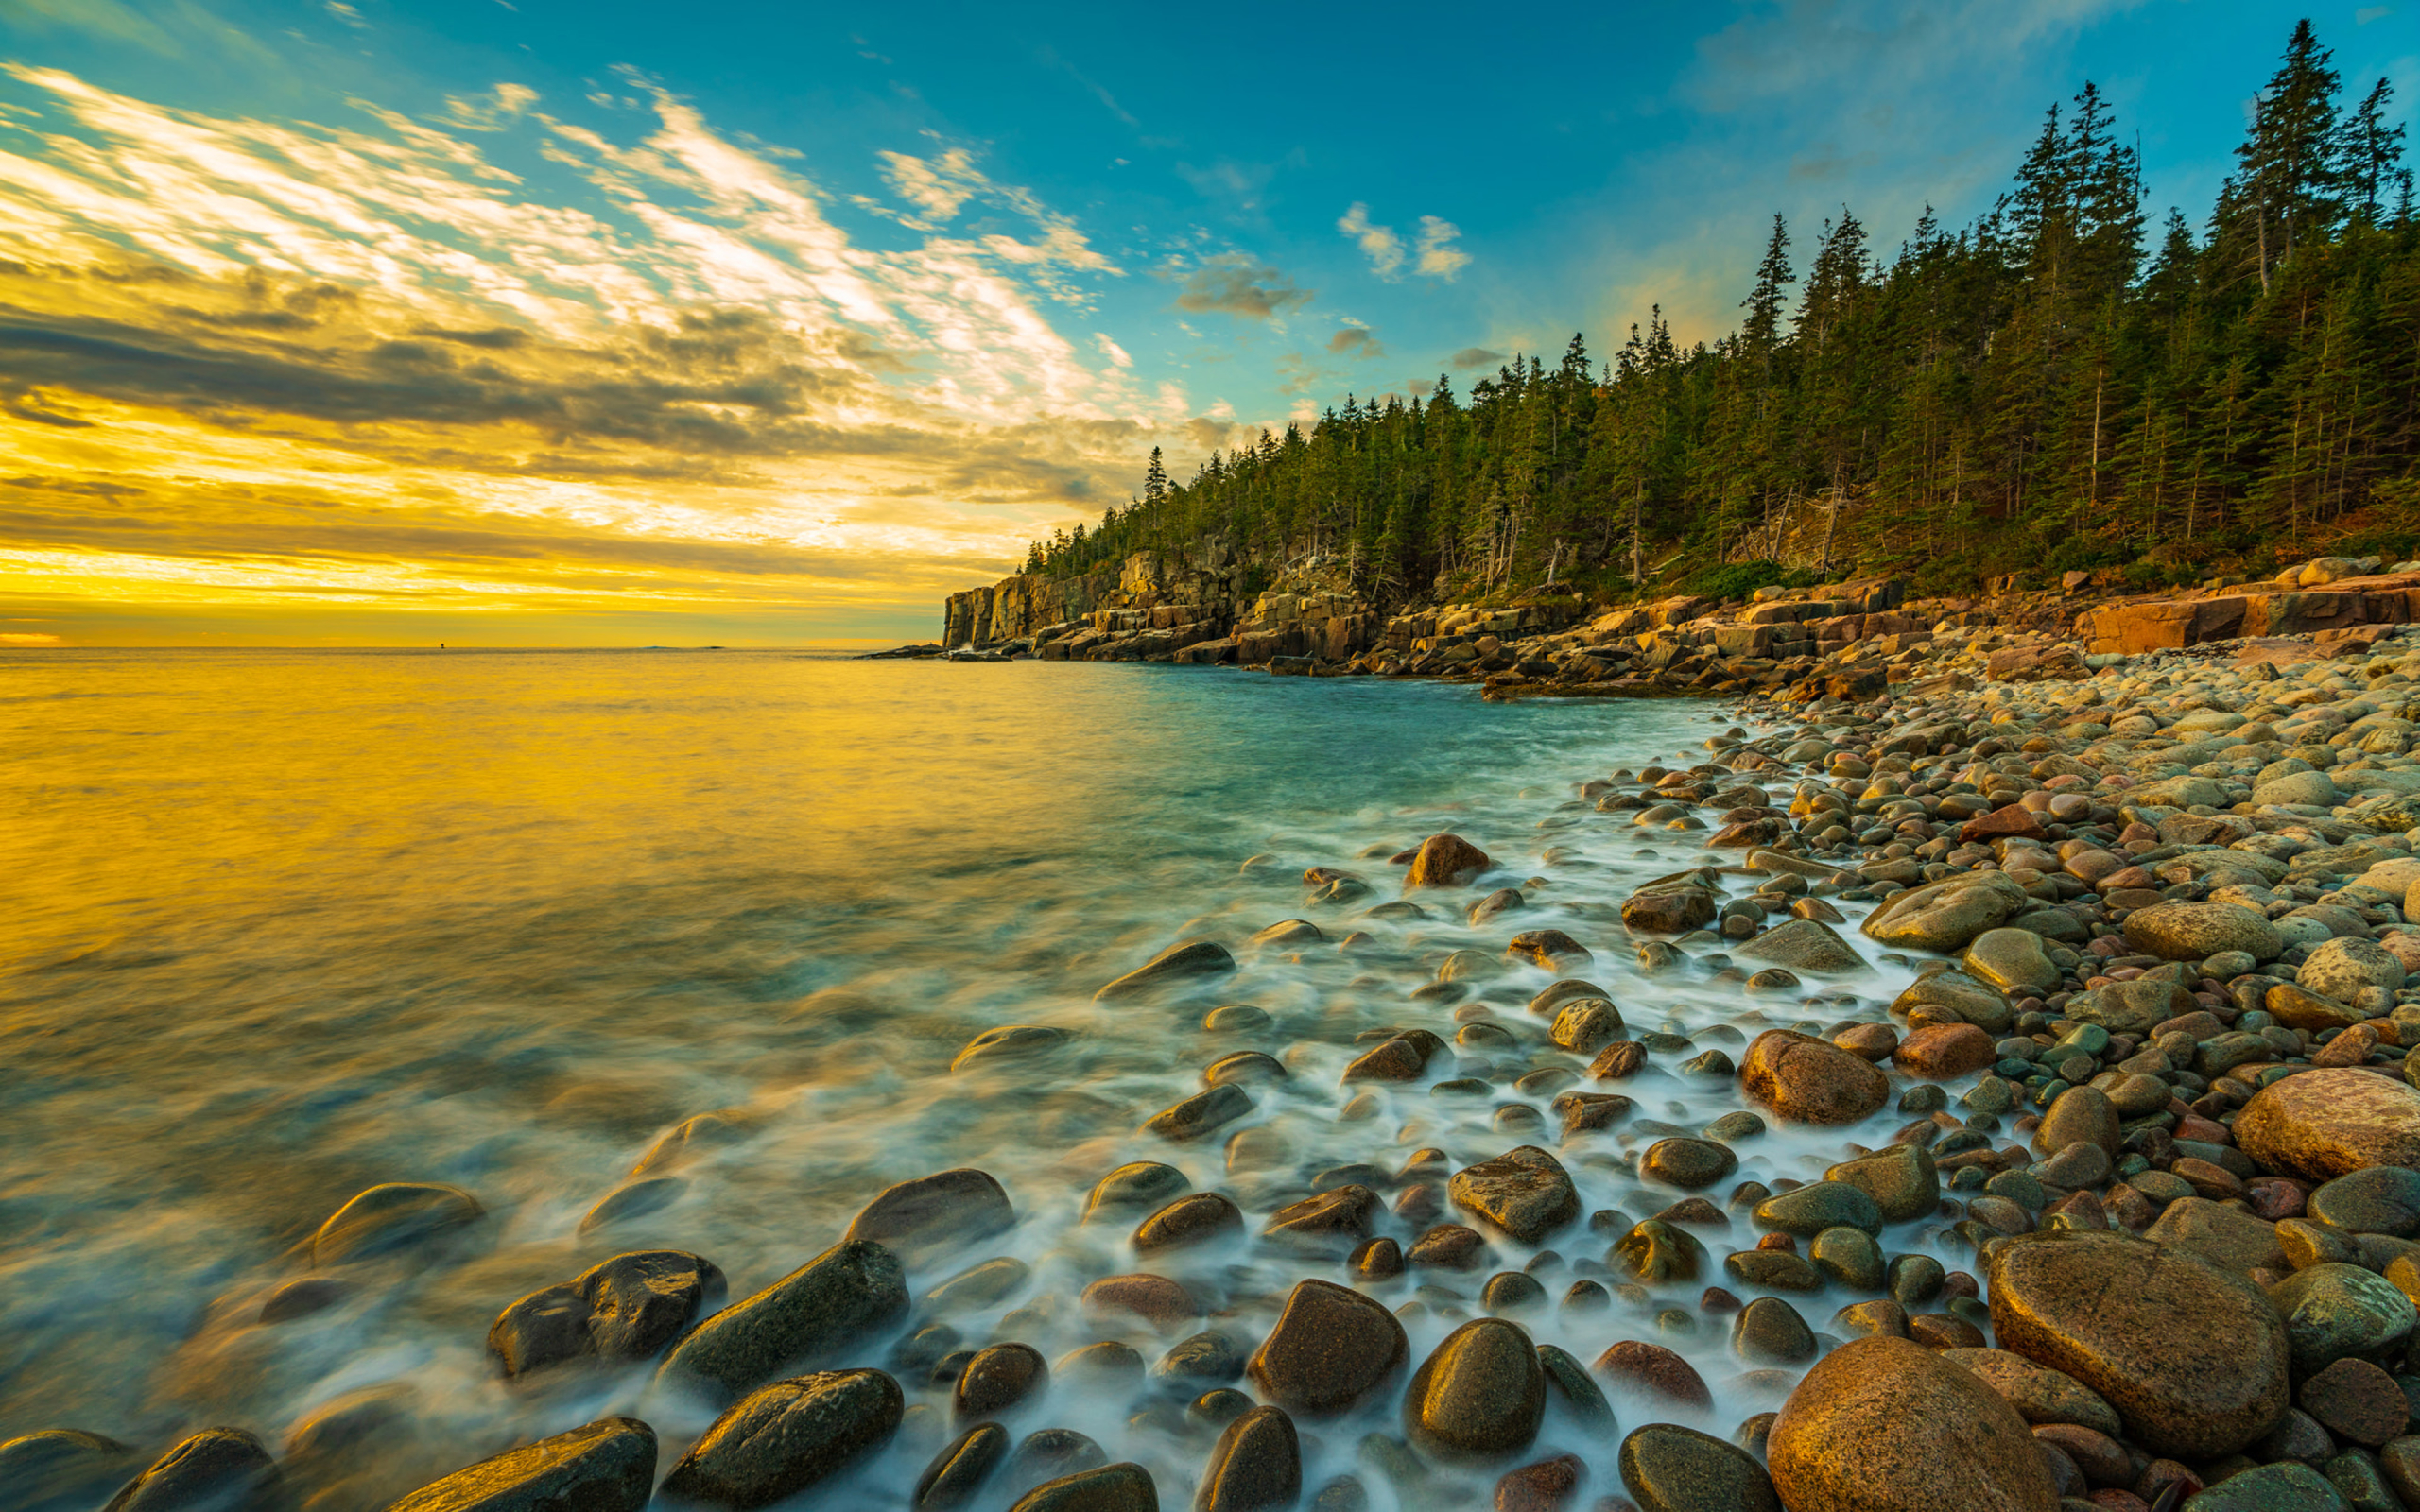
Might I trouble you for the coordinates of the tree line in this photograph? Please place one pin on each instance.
(2059, 385)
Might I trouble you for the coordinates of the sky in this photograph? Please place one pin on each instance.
(525, 322)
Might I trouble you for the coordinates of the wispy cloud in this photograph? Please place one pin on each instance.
(1433, 254)
(1437, 255)
(1379, 244)
(1235, 284)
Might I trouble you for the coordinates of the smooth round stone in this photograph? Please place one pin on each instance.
(979, 1285)
(1687, 1164)
(2381, 1200)
(782, 1438)
(1653, 1372)
(1137, 1184)
(1848, 1256)
(2287, 1487)
(813, 1314)
(1481, 1392)
(1809, 1081)
(1958, 996)
(1568, 1382)
(1770, 1332)
(1732, 1127)
(396, 1215)
(1882, 1423)
(1811, 1208)
(2039, 1394)
(2193, 1358)
(1009, 1042)
(2342, 967)
(1120, 1488)
(1913, 1279)
(57, 1469)
(1510, 1292)
(1257, 1464)
(1774, 1269)
(1861, 1320)
(2196, 932)
(1525, 1193)
(2012, 960)
(2330, 1123)
(2083, 1114)
(223, 1466)
(2356, 1399)
(2335, 1312)
(1902, 1181)
(1666, 1468)
(953, 1477)
(1189, 1220)
(1236, 1017)
(1332, 1347)
(1655, 1250)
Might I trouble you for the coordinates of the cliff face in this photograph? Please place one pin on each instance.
(1176, 598)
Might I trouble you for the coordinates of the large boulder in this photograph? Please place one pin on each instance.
(1332, 1347)
(2323, 1124)
(1526, 1193)
(782, 1438)
(1886, 1425)
(2196, 932)
(1808, 1081)
(2193, 1358)
(1946, 915)
(830, 1302)
(607, 1467)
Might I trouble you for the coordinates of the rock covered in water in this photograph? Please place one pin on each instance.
(1201, 1115)
(1121, 1487)
(626, 1308)
(833, 1301)
(1136, 1184)
(609, 1466)
(1525, 1193)
(217, 1467)
(64, 1470)
(1009, 1042)
(955, 1475)
(1884, 1425)
(1804, 945)
(392, 1217)
(1666, 1468)
(1180, 964)
(916, 1220)
(782, 1438)
(1332, 1347)
(2194, 1359)
(1481, 1392)
(1809, 1081)
(1256, 1466)
(1192, 1219)
(1445, 861)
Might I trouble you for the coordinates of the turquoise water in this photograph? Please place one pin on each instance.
(282, 925)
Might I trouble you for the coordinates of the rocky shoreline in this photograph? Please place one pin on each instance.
(2152, 1095)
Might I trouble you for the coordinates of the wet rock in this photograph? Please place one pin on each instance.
(980, 1285)
(1179, 965)
(2381, 1200)
(1525, 1193)
(633, 1200)
(1942, 1051)
(1208, 1356)
(301, 1297)
(1807, 1080)
(2039, 1394)
(782, 1438)
(2297, 1007)
(2085, 1116)
(1154, 1299)
(2135, 1008)
(1666, 1468)
(1567, 1381)
(627, 1308)
(1803, 945)
(1687, 1164)
(1809, 1210)
(1958, 995)
(1331, 1348)
(2336, 1311)
(2270, 1489)
(1849, 1256)
(1137, 1184)
(1201, 1115)
(997, 1379)
(1947, 915)
(1331, 1223)
(1668, 910)
(1257, 1464)
(1902, 1180)
(1396, 1059)
(1107, 1366)
(2196, 932)
(1481, 1392)
(1584, 1111)
(919, 1219)
(1246, 1068)
(1121, 1487)
(1287, 933)
(1376, 1258)
(1656, 1251)
(1551, 949)
(1776, 1269)
(2342, 968)
(2193, 1359)
(1445, 861)
(825, 1305)
(1770, 1332)
(2012, 960)
(1884, 1425)
(1586, 1025)
(609, 1466)
(64, 1470)
(957, 1472)
(216, 1468)
(1192, 1219)
(2325, 1123)
(1448, 1246)
(1544, 1486)
(1009, 1042)
(393, 1216)
(2228, 1238)
(1653, 1371)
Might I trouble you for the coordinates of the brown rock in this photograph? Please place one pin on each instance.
(1332, 1347)
(2014, 822)
(1189, 1220)
(2299, 1008)
(1939, 1052)
(1873, 1042)
(1155, 1299)
(1481, 1392)
(1651, 1369)
(1395, 1059)
(1884, 1425)
(2325, 1124)
(1445, 861)
(1808, 1081)
(1545, 1487)
(1585, 1026)
(2356, 1399)
(2194, 1359)
(1526, 1193)
(1549, 948)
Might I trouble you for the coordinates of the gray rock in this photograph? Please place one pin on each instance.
(2336, 1312)
(1808, 1211)
(2299, 789)
(830, 1302)
(2383, 1199)
(2342, 967)
(1803, 945)
(1901, 1180)
(1946, 915)
(2287, 1487)
(607, 1467)
(2133, 1007)
(780, 1439)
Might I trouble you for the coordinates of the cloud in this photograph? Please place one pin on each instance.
(1476, 357)
(937, 188)
(1378, 243)
(1235, 284)
(345, 13)
(28, 638)
(1437, 255)
(1355, 341)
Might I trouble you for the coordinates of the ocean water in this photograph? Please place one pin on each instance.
(281, 925)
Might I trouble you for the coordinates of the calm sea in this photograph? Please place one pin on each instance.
(280, 926)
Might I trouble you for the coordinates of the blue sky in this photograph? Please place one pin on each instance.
(917, 282)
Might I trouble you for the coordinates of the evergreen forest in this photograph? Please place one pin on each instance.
(2067, 383)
